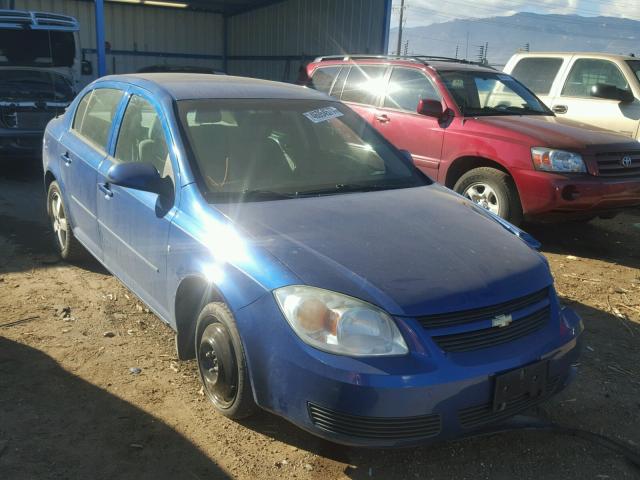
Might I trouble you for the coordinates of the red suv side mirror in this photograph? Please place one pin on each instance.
(430, 108)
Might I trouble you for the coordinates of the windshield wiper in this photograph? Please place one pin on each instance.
(350, 187)
(265, 194)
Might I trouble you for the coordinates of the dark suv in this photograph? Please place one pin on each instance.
(487, 136)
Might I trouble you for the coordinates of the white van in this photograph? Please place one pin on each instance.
(593, 88)
(39, 74)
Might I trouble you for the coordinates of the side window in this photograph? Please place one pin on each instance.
(338, 85)
(94, 115)
(587, 72)
(407, 87)
(537, 73)
(363, 84)
(323, 78)
(141, 137)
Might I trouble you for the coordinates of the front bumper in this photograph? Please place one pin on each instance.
(20, 142)
(394, 401)
(552, 196)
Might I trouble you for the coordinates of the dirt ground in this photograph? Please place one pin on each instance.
(70, 408)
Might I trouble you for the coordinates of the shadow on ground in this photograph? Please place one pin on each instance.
(82, 431)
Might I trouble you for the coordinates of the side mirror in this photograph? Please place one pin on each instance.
(611, 92)
(430, 108)
(139, 176)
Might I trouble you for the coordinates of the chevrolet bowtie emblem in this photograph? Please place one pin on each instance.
(501, 321)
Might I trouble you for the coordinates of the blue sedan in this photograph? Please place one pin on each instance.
(310, 268)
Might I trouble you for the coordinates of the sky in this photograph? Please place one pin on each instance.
(426, 12)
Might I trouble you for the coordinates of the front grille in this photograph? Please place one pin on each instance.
(468, 316)
(375, 427)
(489, 337)
(474, 417)
(611, 164)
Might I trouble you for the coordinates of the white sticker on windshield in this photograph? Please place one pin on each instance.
(323, 114)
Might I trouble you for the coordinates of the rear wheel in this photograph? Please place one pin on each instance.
(221, 363)
(66, 243)
(493, 190)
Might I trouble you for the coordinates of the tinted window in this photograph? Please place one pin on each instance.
(338, 85)
(363, 84)
(141, 137)
(323, 78)
(407, 87)
(94, 115)
(37, 47)
(587, 72)
(537, 73)
(635, 66)
(260, 149)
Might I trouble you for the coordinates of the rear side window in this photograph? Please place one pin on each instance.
(406, 88)
(363, 85)
(94, 115)
(537, 74)
(587, 72)
(323, 78)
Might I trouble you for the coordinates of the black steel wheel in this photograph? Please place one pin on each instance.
(221, 362)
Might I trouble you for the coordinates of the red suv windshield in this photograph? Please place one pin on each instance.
(479, 93)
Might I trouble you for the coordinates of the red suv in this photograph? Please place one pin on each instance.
(488, 137)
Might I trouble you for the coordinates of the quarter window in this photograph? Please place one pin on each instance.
(94, 115)
(587, 72)
(323, 78)
(407, 87)
(141, 137)
(364, 84)
(537, 73)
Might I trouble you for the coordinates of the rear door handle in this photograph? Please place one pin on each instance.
(560, 109)
(104, 188)
(66, 158)
(382, 118)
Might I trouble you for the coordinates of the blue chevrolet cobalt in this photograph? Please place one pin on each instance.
(304, 261)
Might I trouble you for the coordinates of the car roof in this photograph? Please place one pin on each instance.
(190, 86)
(607, 56)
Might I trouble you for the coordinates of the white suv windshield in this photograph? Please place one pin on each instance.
(267, 149)
(635, 66)
(479, 93)
(46, 48)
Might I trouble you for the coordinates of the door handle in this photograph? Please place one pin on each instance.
(104, 188)
(66, 158)
(560, 109)
(383, 118)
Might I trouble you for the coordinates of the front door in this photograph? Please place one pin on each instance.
(82, 150)
(576, 103)
(134, 225)
(397, 119)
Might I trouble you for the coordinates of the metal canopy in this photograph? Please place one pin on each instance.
(228, 7)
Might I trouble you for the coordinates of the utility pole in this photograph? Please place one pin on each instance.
(406, 48)
(466, 55)
(400, 27)
(457, 48)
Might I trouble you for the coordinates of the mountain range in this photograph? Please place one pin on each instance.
(506, 35)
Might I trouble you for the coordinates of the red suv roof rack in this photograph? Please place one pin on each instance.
(424, 59)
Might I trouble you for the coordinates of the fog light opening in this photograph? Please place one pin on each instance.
(570, 193)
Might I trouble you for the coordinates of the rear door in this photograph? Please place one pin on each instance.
(361, 86)
(575, 102)
(398, 120)
(82, 149)
(134, 225)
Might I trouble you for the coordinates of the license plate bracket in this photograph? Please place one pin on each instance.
(525, 382)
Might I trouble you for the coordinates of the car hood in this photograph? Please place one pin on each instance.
(550, 131)
(411, 251)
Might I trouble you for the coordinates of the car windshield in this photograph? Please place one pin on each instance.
(264, 149)
(635, 66)
(37, 48)
(479, 93)
(31, 84)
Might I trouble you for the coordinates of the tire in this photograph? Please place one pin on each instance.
(222, 364)
(492, 189)
(65, 242)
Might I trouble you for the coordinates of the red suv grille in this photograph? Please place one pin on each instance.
(618, 164)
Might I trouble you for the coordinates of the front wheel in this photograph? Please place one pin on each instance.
(222, 364)
(493, 190)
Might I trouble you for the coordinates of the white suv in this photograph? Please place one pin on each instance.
(597, 89)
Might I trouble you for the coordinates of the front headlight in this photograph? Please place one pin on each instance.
(338, 323)
(550, 160)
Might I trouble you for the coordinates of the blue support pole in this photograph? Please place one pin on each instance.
(100, 47)
(386, 26)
